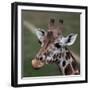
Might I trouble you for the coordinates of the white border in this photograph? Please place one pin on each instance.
(31, 80)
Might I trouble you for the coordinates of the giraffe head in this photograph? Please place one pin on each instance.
(53, 45)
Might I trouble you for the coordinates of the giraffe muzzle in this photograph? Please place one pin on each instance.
(37, 64)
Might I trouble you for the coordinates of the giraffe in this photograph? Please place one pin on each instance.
(54, 49)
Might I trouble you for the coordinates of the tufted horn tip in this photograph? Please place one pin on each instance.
(61, 21)
(52, 20)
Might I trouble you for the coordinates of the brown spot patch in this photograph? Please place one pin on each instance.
(75, 67)
(68, 70)
(67, 55)
(60, 55)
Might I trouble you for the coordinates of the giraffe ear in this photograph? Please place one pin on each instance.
(40, 33)
(69, 40)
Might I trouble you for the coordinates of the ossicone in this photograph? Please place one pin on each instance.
(61, 21)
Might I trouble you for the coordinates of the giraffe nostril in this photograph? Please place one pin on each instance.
(41, 58)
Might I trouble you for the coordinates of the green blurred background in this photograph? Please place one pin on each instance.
(30, 45)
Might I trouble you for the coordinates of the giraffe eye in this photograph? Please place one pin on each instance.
(57, 45)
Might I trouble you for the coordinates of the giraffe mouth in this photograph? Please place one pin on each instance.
(37, 64)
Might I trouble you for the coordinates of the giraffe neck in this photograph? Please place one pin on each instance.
(68, 64)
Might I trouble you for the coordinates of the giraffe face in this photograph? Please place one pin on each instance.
(52, 48)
